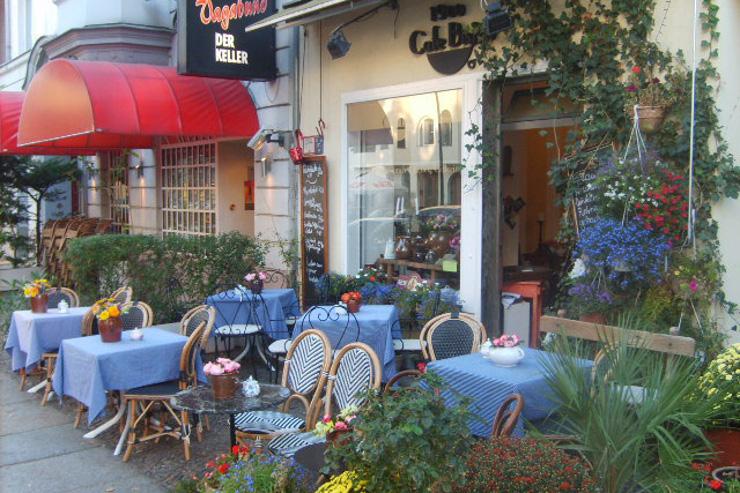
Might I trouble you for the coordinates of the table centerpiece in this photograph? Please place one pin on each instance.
(37, 292)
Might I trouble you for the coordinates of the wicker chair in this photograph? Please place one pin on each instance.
(304, 373)
(136, 314)
(58, 294)
(403, 378)
(505, 421)
(193, 318)
(160, 395)
(356, 368)
(451, 334)
(122, 295)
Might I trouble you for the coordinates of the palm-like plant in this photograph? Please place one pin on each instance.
(634, 419)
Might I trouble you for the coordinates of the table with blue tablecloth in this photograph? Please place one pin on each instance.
(232, 307)
(379, 325)
(30, 335)
(489, 385)
(87, 367)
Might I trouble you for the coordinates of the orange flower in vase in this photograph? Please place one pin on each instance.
(108, 313)
(353, 301)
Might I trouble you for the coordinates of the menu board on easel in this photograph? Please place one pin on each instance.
(314, 227)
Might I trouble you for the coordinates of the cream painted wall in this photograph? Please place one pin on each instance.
(233, 168)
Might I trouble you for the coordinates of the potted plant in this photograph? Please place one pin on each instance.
(336, 428)
(590, 302)
(721, 381)
(505, 351)
(353, 301)
(37, 292)
(255, 281)
(648, 98)
(514, 465)
(108, 313)
(222, 375)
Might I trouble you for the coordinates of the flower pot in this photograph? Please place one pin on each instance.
(39, 303)
(353, 306)
(506, 357)
(726, 442)
(594, 318)
(338, 438)
(650, 118)
(110, 329)
(224, 386)
(256, 286)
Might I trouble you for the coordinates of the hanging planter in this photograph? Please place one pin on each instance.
(650, 118)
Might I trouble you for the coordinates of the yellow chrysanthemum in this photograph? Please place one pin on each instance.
(104, 315)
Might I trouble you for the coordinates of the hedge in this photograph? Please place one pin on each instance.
(172, 274)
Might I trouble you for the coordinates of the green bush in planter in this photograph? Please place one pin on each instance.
(172, 274)
(408, 440)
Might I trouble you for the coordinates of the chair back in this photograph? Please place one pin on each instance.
(236, 307)
(122, 295)
(403, 378)
(355, 370)
(276, 279)
(193, 318)
(506, 419)
(136, 314)
(450, 335)
(336, 315)
(56, 295)
(189, 358)
(88, 324)
(306, 367)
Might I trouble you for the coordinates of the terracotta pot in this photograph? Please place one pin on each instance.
(40, 303)
(110, 329)
(224, 386)
(256, 286)
(726, 443)
(594, 318)
(338, 438)
(353, 306)
(650, 118)
(403, 248)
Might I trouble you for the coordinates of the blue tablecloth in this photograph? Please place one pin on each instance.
(32, 334)
(280, 303)
(378, 327)
(87, 367)
(489, 385)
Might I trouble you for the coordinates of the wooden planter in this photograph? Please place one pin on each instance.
(40, 303)
(224, 386)
(726, 443)
(650, 118)
(110, 329)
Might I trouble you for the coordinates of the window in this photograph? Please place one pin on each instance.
(114, 166)
(445, 128)
(394, 194)
(189, 188)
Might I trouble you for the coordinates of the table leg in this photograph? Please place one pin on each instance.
(124, 434)
(232, 432)
(112, 422)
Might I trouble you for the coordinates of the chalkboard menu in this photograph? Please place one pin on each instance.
(584, 200)
(314, 226)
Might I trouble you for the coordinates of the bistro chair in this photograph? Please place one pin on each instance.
(193, 318)
(355, 370)
(506, 418)
(405, 378)
(305, 371)
(278, 348)
(56, 295)
(451, 334)
(136, 314)
(336, 314)
(159, 395)
(276, 279)
(122, 295)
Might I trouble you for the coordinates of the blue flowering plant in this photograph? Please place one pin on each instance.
(589, 297)
(624, 255)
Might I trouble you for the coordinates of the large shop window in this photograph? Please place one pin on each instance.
(115, 166)
(404, 201)
(189, 189)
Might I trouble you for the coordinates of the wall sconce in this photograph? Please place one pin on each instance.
(497, 19)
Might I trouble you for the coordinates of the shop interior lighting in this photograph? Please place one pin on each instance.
(338, 44)
(497, 19)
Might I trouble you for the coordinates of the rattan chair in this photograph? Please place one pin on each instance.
(404, 378)
(160, 394)
(506, 419)
(304, 373)
(136, 314)
(122, 295)
(193, 318)
(58, 294)
(355, 370)
(451, 334)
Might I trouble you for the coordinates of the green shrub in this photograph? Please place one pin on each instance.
(172, 274)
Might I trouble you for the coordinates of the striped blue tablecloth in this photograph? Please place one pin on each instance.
(489, 385)
(232, 307)
(30, 335)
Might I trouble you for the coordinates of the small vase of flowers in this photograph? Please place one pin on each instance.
(37, 292)
(353, 301)
(255, 281)
(108, 313)
(505, 351)
(222, 375)
(336, 428)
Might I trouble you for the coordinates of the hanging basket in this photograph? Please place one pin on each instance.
(650, 118)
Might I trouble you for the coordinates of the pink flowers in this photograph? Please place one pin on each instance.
(253, 276)
(507, 341)
(636, 69)
(693, 285)
(341, 426)
(222, 366)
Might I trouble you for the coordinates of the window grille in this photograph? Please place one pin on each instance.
(115, 166)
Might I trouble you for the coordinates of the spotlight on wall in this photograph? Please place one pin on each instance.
(139, 169)
(338, 45)
(265, 136)
(497, 19)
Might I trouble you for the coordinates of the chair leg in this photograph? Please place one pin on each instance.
(48, 388)
(23, 376)
(78, 415)
(132, 432)
(185, 433)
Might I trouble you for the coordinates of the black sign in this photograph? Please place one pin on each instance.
(314, 224)
(447, 47)
(585, 201)
(212, 41)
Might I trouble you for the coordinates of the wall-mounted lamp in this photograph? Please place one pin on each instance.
(266, 136)
(338, 44)
(497, 19)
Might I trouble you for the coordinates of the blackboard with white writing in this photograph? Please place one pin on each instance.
(584, 199)
(314, 226)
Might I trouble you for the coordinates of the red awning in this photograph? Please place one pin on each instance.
(105, 105)
(10, 112)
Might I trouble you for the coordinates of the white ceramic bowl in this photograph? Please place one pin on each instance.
(506, 357)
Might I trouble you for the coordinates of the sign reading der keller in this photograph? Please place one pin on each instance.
(212, 41)
(314, 224)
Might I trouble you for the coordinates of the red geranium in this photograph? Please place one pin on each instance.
(636, 69)
(666, 207)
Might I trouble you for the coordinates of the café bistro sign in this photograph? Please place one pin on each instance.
(447, 47)
(212, 41)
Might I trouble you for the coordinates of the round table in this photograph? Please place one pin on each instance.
(200, 400)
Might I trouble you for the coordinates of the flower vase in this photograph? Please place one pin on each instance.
(650, 118)
(39, 303)
(353, 306)
(110, 329)
(256, 286)
(224, 386)
(338, 438)
(403, 248)
(439, 242)
(506, 357)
